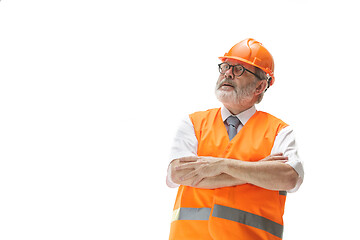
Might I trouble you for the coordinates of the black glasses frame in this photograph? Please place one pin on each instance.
(232, 66)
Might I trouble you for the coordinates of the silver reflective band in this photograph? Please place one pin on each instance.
(191, 214)
(284, 193)
(249, 219)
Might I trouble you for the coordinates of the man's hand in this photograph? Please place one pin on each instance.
(218, 181)
(275, 157)
(270, 172)
(202, 167)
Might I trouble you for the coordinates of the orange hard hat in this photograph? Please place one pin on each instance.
(254, 53)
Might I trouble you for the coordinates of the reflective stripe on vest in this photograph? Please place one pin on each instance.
(249, 219)
(231, 214)
(191, 214)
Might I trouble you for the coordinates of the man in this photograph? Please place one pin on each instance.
(234, 164)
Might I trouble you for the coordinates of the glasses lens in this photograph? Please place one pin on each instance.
(223, 67)
(238, 70)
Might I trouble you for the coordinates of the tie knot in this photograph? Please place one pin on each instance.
(233, 120)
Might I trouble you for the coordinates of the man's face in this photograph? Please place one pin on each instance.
(236, 90)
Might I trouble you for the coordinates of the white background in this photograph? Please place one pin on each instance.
(92, 92)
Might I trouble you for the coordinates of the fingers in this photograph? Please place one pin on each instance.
(276, 154)
(188, 159)
(188, 176)
(276, 157)
(196, 181)
(190, 165)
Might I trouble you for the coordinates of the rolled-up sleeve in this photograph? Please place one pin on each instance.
(184, 145)
(285, 143)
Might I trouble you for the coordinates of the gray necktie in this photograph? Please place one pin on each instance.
(233, 123)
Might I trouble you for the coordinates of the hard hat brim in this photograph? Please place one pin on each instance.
(268, 71)
(244, 61)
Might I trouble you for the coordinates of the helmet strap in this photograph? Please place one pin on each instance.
(268, 82)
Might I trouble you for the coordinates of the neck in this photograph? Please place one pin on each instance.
(236, 109)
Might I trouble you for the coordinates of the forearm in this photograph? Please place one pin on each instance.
(222, 180)
(271, 175)
(219, 181)
(209, 172)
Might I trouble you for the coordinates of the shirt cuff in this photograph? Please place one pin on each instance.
(297, 166)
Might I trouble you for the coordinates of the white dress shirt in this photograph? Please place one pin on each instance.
(185, 144)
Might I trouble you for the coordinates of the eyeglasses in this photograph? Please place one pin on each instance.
(237, 70)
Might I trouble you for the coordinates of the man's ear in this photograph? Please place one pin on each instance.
(261, 86)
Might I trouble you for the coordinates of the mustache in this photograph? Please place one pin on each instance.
(226, 81)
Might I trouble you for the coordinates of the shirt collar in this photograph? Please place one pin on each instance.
(244, 116)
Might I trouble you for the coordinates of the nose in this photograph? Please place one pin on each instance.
(229, 73)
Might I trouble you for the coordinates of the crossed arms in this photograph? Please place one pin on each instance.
(209, 172)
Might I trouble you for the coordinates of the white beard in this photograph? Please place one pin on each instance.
(238, 95)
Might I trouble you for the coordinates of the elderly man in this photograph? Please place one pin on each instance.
(234, 164)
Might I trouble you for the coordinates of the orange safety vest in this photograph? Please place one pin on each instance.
(240, 212)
